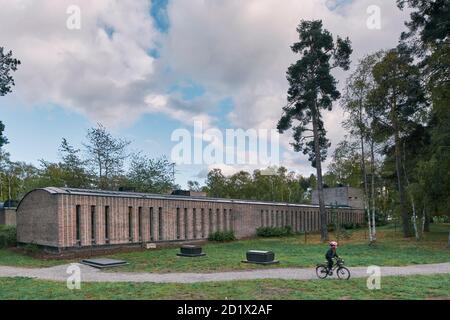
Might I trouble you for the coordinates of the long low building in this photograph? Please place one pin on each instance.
(65, 218)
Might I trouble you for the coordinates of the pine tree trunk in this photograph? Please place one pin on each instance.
(426, 227)
(366, 191)
(448, 239)
(372, 172)
(398, 166)
(416, 233)
(364, 173)
(423, 220)
(322, 211)
(9, 187)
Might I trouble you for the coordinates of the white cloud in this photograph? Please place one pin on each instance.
(242, 49)
(103, 70)
(232, 48)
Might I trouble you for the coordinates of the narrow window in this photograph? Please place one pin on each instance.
(203, 222)
(225, 220)
(194, 222)
(130, 224)
(93, 225)
(161, 224)
(211, 225)
(140, 223)
(186, 223)
(218, 222)
(231, 219)
(151, 224)
(78, 224)
(178, 223)
(277, 223)
(294, 220)
(107, 224)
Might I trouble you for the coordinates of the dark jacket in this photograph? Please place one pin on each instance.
(331, 254)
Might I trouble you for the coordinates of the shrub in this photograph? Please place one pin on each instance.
(268, 232)
(31, 248)
(222, 236)
(439, 219)
(7, 236)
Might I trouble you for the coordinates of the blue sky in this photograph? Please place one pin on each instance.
(198, 60)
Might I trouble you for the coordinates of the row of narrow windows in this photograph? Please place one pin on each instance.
(197, 224)
(275, 218)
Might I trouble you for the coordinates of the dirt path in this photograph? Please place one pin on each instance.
(89, 274)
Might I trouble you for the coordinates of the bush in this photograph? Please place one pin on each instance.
(439, 219)
(222, 236)
(31, 248)
(268, 232)
(7, 236)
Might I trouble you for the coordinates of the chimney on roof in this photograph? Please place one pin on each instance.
(188, 193)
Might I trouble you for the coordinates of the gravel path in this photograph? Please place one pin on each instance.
(89, 274)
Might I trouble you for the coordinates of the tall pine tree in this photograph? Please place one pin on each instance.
(312, 90)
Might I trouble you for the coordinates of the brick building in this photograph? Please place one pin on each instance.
(8, 213)
(64, 218)
(342, 196)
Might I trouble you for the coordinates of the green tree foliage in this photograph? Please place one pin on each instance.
(216, 184)
(345, 168)
(428, 39)
(429, 25)
(7, 64)
(106, 155)
(3, 139)
(312, 89)
(398, 104)
(194, 186)
(360, 123)
(150, 175)
(73, 170)
(73, 167)
(280, 185)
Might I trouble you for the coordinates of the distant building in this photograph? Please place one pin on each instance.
(341, 196)
(8, 213)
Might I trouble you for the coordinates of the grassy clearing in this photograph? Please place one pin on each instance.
(412, 287)
(391, 249)
(292, 252)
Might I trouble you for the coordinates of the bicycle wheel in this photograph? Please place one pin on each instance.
(343, 273)
(322, 272)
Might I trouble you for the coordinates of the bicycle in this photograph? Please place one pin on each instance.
(342, 272)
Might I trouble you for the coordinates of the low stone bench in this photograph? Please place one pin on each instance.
(103, 263)
(191, 251)
(260, 257)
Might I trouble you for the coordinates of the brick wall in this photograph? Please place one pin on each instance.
(8, 216)
(67, 221)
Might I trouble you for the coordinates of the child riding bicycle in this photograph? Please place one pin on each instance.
(331, 253)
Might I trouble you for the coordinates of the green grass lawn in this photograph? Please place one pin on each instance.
(412, 287)
(391, 249)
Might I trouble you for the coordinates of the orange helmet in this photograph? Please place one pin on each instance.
(333, 244)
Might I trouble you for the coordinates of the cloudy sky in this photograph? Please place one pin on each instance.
(147, 68)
